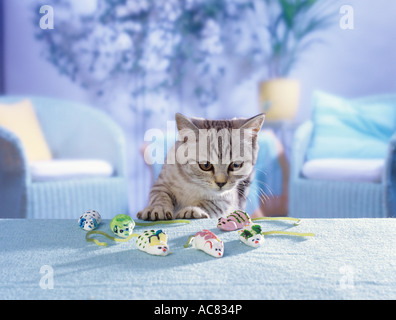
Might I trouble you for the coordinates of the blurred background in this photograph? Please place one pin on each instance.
(140, 61)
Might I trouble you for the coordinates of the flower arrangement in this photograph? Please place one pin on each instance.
(147, 45)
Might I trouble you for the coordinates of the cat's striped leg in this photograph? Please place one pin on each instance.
(161, 206)
(191, 212)
(203, 209)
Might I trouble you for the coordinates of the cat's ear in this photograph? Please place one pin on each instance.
(184, 122)
(255, 123)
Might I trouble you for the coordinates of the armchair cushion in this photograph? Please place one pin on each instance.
(357, 170)
(58, 170)
(359, 128)
(20, 118)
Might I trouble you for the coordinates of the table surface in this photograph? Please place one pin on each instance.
(347, 259)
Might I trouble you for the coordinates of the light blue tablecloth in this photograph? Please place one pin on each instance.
(348, 259)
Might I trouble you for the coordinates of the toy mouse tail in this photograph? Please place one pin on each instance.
(298, 234)
(104, 244)
(190, 239)
(296, 220)
(146, 224)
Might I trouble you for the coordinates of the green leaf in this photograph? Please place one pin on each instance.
(288, 12)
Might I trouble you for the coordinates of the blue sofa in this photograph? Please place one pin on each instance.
(72, 131)
(336, 120)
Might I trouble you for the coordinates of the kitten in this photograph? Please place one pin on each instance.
(208, 171)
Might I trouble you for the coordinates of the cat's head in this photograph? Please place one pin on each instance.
(217, 154)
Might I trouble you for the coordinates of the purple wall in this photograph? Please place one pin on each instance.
(354, 62)
(26, 72)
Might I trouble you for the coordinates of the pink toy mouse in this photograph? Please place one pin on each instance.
(234, 221)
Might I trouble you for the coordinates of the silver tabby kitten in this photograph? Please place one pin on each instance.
(208, 171)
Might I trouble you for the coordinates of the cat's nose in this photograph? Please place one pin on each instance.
(220, 184)
(220, 178)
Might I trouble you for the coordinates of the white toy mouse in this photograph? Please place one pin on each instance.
(208, 242)
(251, 235)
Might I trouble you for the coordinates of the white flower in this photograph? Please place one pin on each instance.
(137, 6)
(132, 7)
(154, 62)
(85, 7)
(131, 26)
(211, 28)
(212, 45)
(121, 11)
(192, 3)
(211, 42)
(169, 10)
(123, 42)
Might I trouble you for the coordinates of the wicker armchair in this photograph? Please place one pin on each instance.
(72, 131)
(339, 199)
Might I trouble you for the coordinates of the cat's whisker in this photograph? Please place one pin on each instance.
(259, 192)
(262, 171)
(264, 197)
(266, 186)
(265, 194)
(245, 197)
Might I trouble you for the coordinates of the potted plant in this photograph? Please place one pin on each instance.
(291, 26)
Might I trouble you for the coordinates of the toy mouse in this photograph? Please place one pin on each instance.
(153, 242)
(89, 220)
(251, 236)
(239, 219)
(122, 225)
(234, 221)
(208, 242)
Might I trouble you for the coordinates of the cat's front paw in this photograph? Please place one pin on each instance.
(155, 213)
(192, 213)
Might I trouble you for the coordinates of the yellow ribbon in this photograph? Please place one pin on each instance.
(297, 221)
(288, 233)
(104, 244)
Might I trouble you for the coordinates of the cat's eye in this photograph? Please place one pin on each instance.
(207, 166)
(235, 165)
